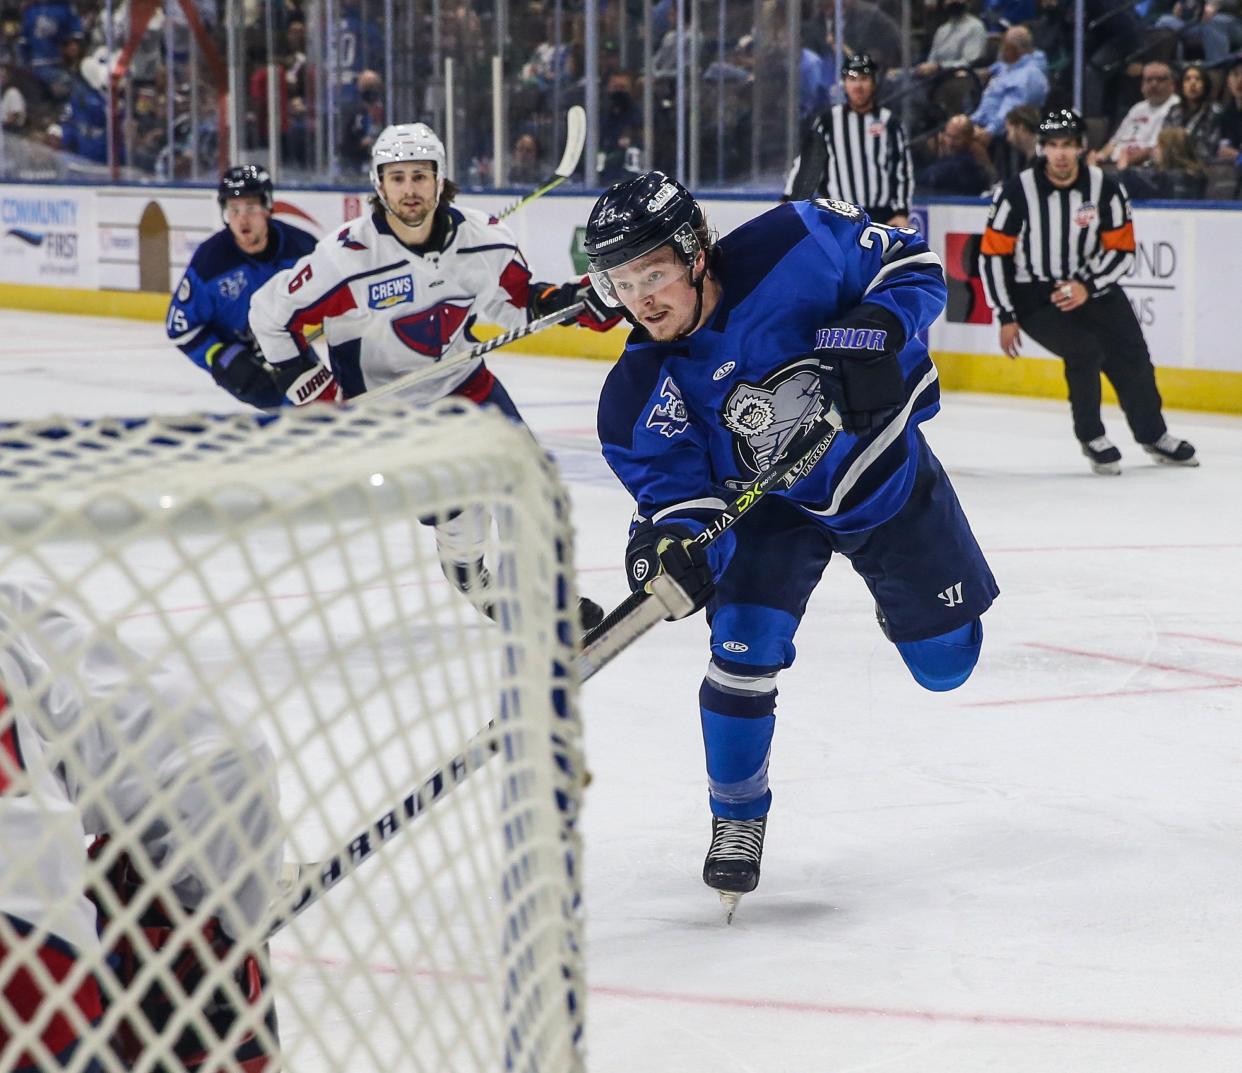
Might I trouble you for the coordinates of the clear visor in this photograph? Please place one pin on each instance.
(647, 274)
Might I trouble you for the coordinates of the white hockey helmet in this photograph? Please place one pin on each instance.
(405, 142)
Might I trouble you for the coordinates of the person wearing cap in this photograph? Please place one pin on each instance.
(1059, 240)
(856, 152)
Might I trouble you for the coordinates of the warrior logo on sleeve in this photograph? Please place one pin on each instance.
(764, 417)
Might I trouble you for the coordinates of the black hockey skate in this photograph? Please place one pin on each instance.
(1104, 457)
(1171, 451)
(732, 865)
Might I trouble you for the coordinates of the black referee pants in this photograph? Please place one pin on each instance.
(1103, 335)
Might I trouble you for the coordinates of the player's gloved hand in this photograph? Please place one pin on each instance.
(548, 298)
(859, 370)
(243, 373)
(303, 380)
(670, 550)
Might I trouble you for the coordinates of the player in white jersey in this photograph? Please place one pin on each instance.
(82, 755)
(398, 289)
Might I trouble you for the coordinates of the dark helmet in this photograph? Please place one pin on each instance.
(860, 63)
(636, 216)
(1062, 123)
(245, 180)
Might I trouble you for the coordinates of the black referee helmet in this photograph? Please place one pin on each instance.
(1062, 123)
(860, 64)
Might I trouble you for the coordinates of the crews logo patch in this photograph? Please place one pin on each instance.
(390, 292)
(764, 417)
(1085, 214)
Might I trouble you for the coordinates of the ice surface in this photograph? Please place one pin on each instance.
(1039, 871)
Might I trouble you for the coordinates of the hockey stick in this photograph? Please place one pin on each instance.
(637, 614)
(427, 372)
(575, 139)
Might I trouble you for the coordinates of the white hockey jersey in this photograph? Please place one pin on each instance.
(84, 753)
(387, 308)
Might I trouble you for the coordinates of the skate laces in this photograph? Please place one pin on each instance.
(737, 840)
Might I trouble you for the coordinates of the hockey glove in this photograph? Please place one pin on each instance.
(303, 380)
(669, 550)
(243, 373)
(859, 370)
(548, 298)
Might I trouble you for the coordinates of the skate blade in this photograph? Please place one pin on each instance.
(1106, 469)
(729, 901)
(1192, 461)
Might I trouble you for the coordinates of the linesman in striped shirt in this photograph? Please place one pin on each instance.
(856, 152)
(1058, 242)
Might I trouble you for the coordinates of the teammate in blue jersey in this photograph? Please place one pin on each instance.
(736, 347)
(208, 317)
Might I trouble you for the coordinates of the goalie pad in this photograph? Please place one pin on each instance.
(216, 1009)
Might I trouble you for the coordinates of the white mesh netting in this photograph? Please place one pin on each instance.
(228, 645)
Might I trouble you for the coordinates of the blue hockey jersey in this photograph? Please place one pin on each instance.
(685, 424)
(211, 305)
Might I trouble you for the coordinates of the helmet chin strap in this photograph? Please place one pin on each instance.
(698, 304)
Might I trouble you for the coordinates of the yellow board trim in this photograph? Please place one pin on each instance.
(134, 305)
(1213, 390)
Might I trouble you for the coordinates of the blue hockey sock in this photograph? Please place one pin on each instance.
(738, 714)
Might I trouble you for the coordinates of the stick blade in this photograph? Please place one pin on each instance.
(575, 140)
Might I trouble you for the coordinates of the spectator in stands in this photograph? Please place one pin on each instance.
(1135, 139)
(84, 122)
(1231, 117)
(549, 62)
(960, 41)
(363, 120)
(1022, 137)
(866, 29)
(46, 25)
(524, 166)
(961, 165)
(1173, 171)
(1213, 25)
(1017, 77)
(621, 128)
(12, 101)
(1197, 115)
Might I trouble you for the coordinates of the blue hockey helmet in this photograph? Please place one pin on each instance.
(636, 217)
(245, 180)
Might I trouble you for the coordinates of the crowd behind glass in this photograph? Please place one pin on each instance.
(87, 89)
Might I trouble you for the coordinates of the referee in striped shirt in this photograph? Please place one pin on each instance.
(1058, 241)
(856, 152)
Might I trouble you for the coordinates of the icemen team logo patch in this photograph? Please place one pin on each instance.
(669, 417)
(231, 286)
(763, 417)
(841, 208)
(390, 292)
(1085, 215)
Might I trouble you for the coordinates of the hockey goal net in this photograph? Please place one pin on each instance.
(338, 801)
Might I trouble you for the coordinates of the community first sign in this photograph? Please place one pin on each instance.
(48, 237)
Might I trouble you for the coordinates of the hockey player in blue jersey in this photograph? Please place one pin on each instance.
(208, 317)
(737, 346)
